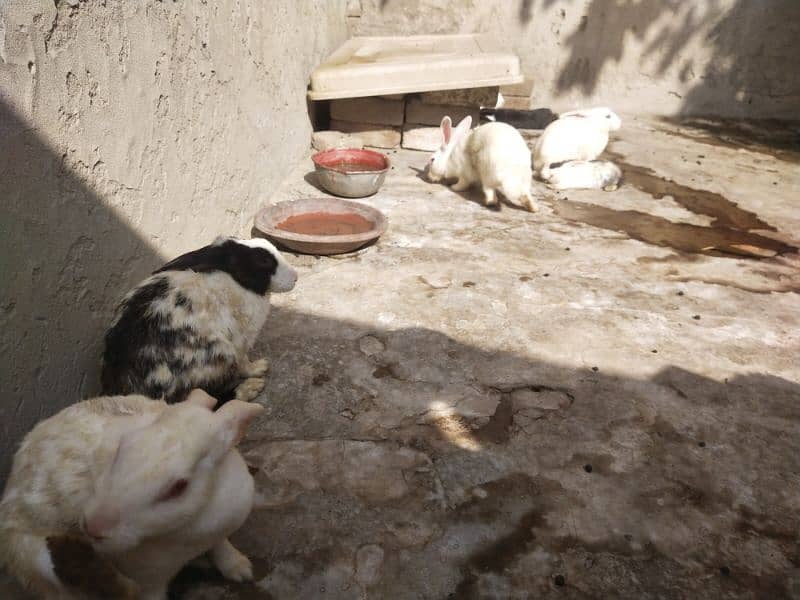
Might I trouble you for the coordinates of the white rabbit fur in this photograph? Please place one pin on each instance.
(493, 155)
(585, 174)
(192, 323)
(575, 135)
(114, 467)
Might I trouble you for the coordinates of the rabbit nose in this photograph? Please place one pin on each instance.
(100, 523)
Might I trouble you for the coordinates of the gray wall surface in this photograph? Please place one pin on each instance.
(131, 132)
(708, 57)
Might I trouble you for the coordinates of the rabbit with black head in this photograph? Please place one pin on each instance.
(193, 322)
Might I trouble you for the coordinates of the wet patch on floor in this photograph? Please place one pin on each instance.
(658, 231)
(498, 429)
(731, 233)
(725, 214)
(496, 500)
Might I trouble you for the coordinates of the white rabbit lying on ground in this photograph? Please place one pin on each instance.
(494, 155)
(150, 486)
(575, 135)
(585, 174)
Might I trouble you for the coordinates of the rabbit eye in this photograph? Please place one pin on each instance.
(174, 491)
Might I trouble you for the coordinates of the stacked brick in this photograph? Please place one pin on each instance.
(411, 121)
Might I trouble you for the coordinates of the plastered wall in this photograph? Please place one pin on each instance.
(734, 58)
(131, 131)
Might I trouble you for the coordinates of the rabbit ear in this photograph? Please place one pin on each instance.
(235, 417)
(200, 398)
(447, 130)
(464, 125)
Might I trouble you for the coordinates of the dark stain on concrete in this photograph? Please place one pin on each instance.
(498, 429)
(384, 371)
(644, 227)
(702, 202)
(497, 555)
(730, 234)
(503, 496)
(320, 379)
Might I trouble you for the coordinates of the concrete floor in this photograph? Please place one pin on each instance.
(575, 403)
(583, 402)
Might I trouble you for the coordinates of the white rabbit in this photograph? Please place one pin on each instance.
(575, 135)
(149, 485)
(585, 174)
(192, 323)
(493, 155)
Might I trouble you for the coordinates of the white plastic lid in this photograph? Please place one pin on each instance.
(377, 66)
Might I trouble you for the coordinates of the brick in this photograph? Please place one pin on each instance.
(377, 111)
(518, 89)
(371, 135)
(325, 140)
(431, 114)
(467, 97)
(420, 137)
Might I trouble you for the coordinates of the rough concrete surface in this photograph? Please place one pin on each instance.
(707, 57)
(130, 132)
(582, 402)
(576, 403)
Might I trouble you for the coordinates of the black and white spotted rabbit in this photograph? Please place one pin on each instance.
(192, 323)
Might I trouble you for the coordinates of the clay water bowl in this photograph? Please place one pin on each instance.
(321, 226)
(351, 172)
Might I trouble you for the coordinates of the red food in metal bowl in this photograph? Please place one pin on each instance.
(351, 172)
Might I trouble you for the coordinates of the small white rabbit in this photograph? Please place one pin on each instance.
(192, 323)
(575, 135)
(493, 155)
(149, 485)
(586, 174)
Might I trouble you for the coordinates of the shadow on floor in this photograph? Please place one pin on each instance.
(595, 482)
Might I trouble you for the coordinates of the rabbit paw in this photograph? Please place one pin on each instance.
(257, 368)
(527, 203)
(233, 565)
(249, 389)
(490, 197)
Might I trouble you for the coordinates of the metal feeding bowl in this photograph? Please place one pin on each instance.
(351, 172)
(321, 226)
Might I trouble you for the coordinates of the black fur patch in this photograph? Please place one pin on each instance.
(142, 339)
(252, 268)
(182, 300)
